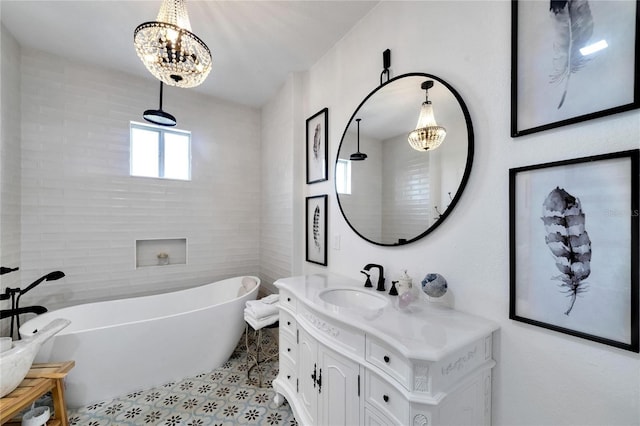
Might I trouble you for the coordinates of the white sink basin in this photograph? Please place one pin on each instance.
(16, 362)
(352, 298)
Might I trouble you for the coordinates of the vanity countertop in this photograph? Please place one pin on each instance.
(423, 330)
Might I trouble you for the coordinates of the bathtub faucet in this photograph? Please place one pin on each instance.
(16, 310)
(51, 276)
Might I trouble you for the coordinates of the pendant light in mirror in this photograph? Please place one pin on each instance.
(158, 116)
(427, 135)
(358, 156)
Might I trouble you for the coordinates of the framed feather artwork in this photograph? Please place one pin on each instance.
(574, 247)
(571, 61)
(317, 146)
(316, 225)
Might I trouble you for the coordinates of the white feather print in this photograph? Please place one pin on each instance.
(573, 24)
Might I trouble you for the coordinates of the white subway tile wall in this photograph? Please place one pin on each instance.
(365, 203)
(407, 198)
(9, 167)
(82, 212)
(277, 186)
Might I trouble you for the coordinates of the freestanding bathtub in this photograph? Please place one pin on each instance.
(121, 346)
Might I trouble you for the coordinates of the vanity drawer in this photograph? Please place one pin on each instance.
(386, 399)
(287, 373)
(287, 323)
(287, 300)
(373, 417)
(389, 360)
(288, 348)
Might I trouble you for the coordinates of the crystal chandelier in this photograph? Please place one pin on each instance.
(169, 50)
(427, 135)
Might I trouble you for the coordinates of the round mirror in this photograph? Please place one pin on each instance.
(389, 192)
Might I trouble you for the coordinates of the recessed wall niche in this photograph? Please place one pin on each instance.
(161, 252)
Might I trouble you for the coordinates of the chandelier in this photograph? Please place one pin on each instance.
(427, 135)
(169, 50)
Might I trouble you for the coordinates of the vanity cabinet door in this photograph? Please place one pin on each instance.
(307, 375)
(339, 389)
(329, 390)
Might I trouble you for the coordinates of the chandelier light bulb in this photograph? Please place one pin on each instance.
(172, 35)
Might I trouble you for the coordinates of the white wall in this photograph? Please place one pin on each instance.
(82, 212)
(542, 377)
(277, 179)
(9, 166)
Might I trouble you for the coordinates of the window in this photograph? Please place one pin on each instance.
(159, 152)
(343, 176)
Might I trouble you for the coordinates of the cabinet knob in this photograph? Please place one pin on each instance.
(386, 359)
(288, 299)
(288, 322)
(386, 398)
(288, 377)
(288, 349)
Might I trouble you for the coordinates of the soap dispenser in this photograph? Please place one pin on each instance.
(405, 283)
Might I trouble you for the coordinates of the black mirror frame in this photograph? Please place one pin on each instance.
(467, 169)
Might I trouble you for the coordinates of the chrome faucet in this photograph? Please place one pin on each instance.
(380, 286)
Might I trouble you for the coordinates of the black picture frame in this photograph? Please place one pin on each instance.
(317, 150)
(316, 229)
(573, 229)
(599, 84)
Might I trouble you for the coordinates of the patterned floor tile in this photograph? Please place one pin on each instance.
(223, 397)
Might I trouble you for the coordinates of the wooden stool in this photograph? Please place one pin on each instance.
(40, 379)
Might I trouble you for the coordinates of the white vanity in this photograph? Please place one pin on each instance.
(350, 356)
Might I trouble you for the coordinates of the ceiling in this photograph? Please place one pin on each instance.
(254, 44)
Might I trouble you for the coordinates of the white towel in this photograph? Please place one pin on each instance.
(272, 298)
(261, 310)
(256, 323)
